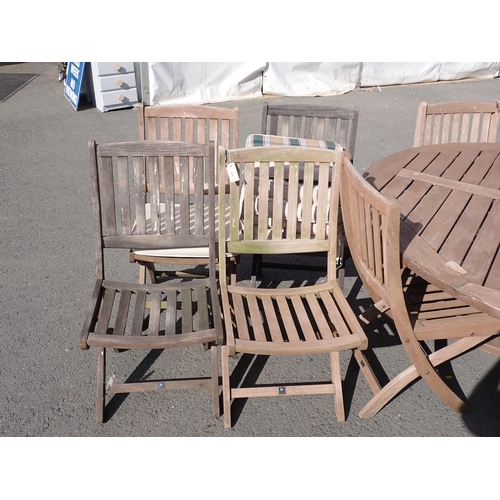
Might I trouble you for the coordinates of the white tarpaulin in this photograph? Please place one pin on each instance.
(198, 83)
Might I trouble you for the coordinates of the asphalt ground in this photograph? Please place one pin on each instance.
(47, 384)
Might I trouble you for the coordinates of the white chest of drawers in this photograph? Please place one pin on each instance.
(115, 85)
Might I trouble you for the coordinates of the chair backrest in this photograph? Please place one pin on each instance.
(372, 228)
(324, 123)
(199, 124)
(456, 122)
(284, 200)
(136, 203)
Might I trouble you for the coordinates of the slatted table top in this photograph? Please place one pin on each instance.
(450, 213)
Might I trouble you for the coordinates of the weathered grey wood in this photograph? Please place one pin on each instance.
(192, 124)
(452, 308)
(297, 321)
(124, 315)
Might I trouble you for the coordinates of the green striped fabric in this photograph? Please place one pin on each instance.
(260, 140)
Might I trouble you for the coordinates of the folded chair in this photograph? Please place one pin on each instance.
(293, 321)
(129, 212)
(328, 124)
(198, 124)
(418, 311)
(445, 122)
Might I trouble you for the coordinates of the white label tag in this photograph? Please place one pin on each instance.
(232, 172)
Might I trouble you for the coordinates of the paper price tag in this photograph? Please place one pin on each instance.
(232, 172)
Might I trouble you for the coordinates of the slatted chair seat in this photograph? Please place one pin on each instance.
(285, 321)
(128, 198)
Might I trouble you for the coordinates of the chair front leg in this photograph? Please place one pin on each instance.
(101, 388)
(337, 383)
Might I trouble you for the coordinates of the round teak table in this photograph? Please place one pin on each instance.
(450, 214)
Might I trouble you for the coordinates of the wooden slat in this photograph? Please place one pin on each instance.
(485, 246)
(154, 314)
(256, 319)
(109, 196)
(152, 133)
(318, 315)
(187, 308)
(122, 313)
(271, 319)
(185, 167)
(293, 200)
(171, 312)
(153, 172)
(277, 196)
(303, 319)
(262, 193)
(165, 134)
(202, 306)
(240, 315)
(248, 205)
(189, 130)
(106, 310)
(140, 194)
(307, 201)
(138, 319)
(124, 196)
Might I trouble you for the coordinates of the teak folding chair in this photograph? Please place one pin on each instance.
(456, 122)
(128, 205)
(418, 310)
(322, 123)
(294, 321)
(197, 124)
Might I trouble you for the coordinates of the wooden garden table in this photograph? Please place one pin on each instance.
(450, 214)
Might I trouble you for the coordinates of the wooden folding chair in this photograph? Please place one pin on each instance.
(304, 320)
(129, 212)
(445, 122)
(418, 310)
(322, 123)
(197, 124)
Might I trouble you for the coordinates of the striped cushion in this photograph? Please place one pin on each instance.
(256, 140)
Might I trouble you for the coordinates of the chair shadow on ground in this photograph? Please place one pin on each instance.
(484, 419)
(141, 372)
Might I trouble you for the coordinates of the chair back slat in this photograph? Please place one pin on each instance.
(442, 123)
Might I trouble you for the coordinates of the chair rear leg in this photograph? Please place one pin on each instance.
(101, 389)
(337, 383)
(256, 268)
(226, 387)
(215, 380)
(142, 274)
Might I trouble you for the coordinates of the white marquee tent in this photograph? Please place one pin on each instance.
(206, 82)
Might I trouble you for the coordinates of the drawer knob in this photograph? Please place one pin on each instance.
(117, 67)
(121, 97)
(119, 83)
